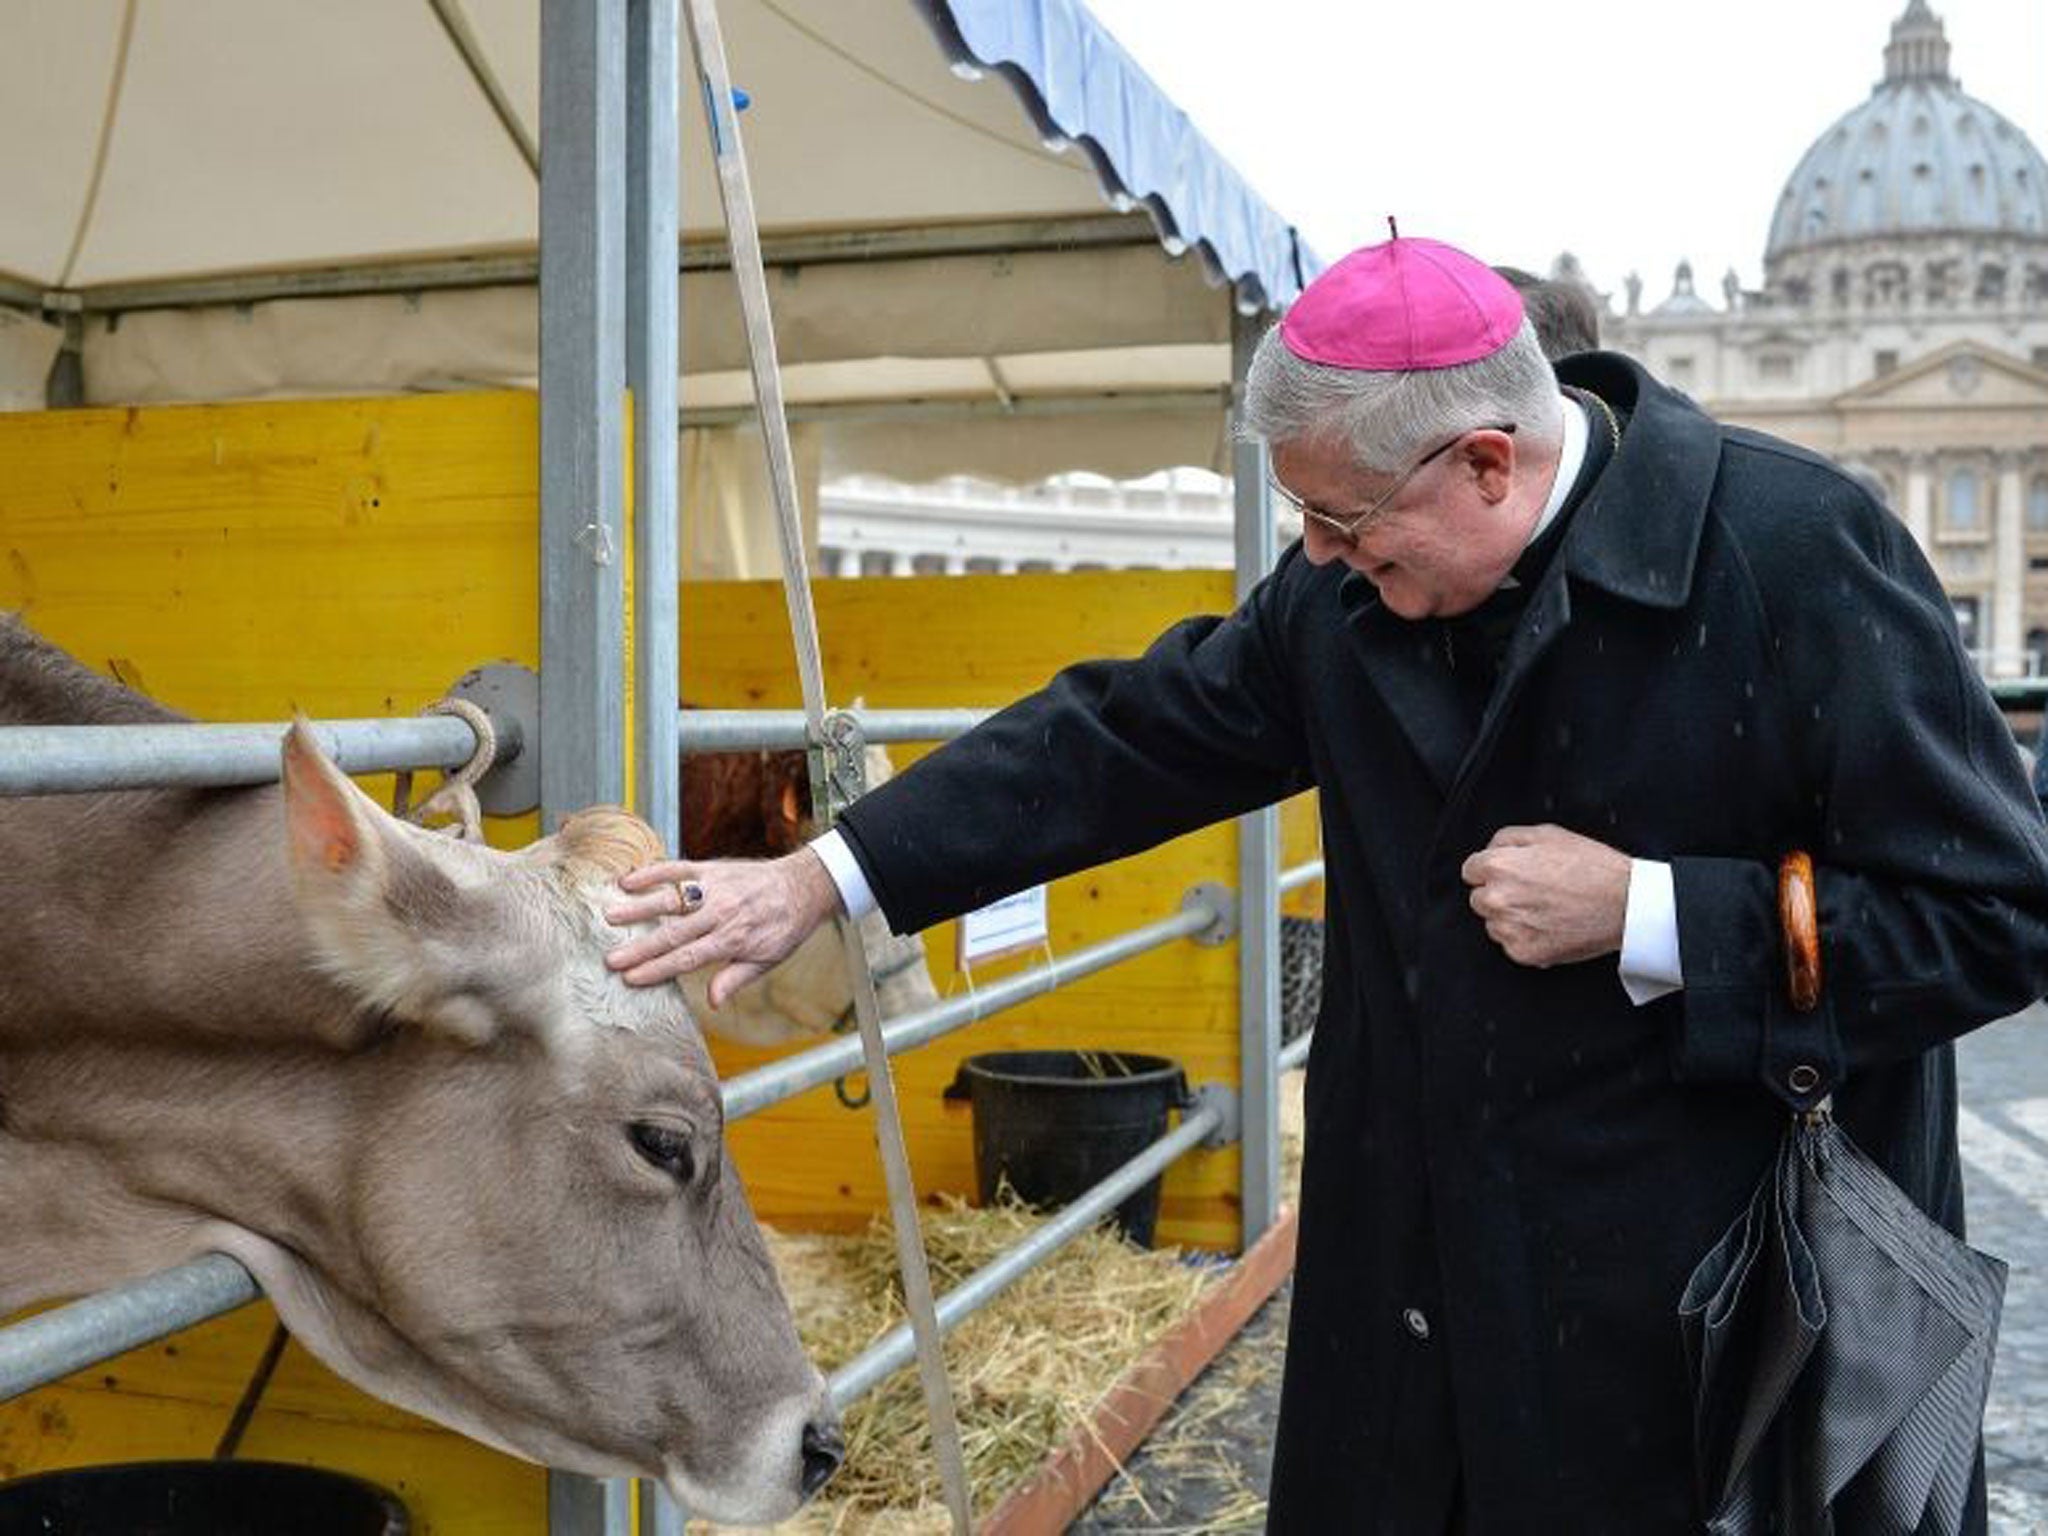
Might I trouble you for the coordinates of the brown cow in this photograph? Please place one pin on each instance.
(478, 1175)
(756, 805)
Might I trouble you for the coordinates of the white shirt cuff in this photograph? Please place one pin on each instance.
(846, 873)
(1649, 934)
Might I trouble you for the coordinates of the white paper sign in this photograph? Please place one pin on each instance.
(1004, 927)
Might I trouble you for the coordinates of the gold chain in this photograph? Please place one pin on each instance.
(1613, 421)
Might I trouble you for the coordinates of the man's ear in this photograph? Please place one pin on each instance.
(387, 919)
(1490, 456)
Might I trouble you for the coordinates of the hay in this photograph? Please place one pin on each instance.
(1027, 1371)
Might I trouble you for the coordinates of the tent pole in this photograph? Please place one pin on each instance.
(1258, 855)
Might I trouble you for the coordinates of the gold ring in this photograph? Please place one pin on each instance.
(689, 896)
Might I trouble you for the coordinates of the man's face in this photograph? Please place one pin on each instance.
(1439, 544)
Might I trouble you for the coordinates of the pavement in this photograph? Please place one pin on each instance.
(1205, 1468)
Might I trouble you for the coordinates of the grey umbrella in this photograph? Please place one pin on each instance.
(1840, 1343)
(1839, 1339)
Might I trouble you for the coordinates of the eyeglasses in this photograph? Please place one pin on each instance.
(1350, 526)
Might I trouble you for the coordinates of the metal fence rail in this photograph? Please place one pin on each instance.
(893, 1350)
(738, 730)
(751, 1092)
(1302, 874)
(80, 759)
(53, 1344)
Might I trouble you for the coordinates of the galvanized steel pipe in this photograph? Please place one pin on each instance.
(1302, 874)
(1295, 1052)
(746, 730)
(53, 1344)
(895, 1349)
(80, 759)
(751, 1092)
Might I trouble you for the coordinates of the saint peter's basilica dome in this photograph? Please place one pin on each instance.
(1917, 164)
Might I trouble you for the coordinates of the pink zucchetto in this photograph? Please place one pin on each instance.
(1403, 305)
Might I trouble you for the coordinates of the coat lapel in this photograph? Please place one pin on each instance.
(1406, 664)
(1636, 535)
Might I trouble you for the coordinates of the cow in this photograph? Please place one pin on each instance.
(390, 1073)
(756, 805)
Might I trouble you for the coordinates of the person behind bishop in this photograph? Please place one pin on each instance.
(1571, 666)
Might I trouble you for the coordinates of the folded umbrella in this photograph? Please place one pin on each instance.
(1839, 1340)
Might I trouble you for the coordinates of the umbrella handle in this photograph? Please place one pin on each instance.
(1799, 917)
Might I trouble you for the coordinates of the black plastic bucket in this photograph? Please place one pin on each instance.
(1055, 1123)
(198, 1498)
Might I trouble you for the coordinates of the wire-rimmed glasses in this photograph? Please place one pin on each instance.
(1350, 526)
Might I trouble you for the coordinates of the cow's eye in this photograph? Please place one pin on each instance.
(666, 1147)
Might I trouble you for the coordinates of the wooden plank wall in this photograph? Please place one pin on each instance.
(979, 641)
(353, 558)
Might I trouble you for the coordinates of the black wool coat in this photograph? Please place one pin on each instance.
(1510, 1172)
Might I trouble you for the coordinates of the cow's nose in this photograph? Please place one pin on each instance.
(823, 1451)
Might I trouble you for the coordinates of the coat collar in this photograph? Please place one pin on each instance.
(1638, 533)
(1635, 535)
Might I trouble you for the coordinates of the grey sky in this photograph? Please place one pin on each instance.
(1632, 134)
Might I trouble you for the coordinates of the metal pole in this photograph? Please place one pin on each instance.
(894, 1349)
(743, 230)
(652, 342)
(1258, 857)
(582, 385)
(1295, 1052)
(81, 759)
(53, 1344)
(1301, 874)
(582, 472)
(776, 730)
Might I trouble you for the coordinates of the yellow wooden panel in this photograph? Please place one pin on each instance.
(173, 1399)
(348, 558)
(344, 557)
(980, 641)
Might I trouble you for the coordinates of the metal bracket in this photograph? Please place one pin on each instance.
(1220, 902)
(844, 750)
(1230, 1126)
(510, 695)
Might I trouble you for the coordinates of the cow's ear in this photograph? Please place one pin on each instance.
(331, 836)
(387, 920)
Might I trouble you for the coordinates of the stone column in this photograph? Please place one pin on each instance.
(2009, 572)
(1919, 520)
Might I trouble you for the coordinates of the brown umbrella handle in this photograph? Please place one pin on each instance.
(1799, 917)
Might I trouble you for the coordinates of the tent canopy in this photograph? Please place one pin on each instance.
(996, 246)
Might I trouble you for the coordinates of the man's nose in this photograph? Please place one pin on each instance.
(1322, 545)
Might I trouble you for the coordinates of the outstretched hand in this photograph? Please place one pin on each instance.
(1548, 896)
(741, 915)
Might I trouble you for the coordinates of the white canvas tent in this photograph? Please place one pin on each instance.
(995, 248)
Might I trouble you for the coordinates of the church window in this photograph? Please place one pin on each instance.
(1679, 370)
(1839, 285)
(2037, 652)
(1776, 366)
(877, 562)
(1990, 283)
(1886, 361)
(2039, 358)
(2037, 284)
(1962, 500)
(2037, 505)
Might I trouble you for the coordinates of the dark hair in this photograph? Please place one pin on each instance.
(1563, 313)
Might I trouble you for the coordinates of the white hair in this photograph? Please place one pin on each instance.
(1390, 418)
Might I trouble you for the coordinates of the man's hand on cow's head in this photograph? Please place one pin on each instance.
(741, 915)
(1548, 896)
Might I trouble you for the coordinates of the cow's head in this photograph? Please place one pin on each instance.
(536, 1234)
